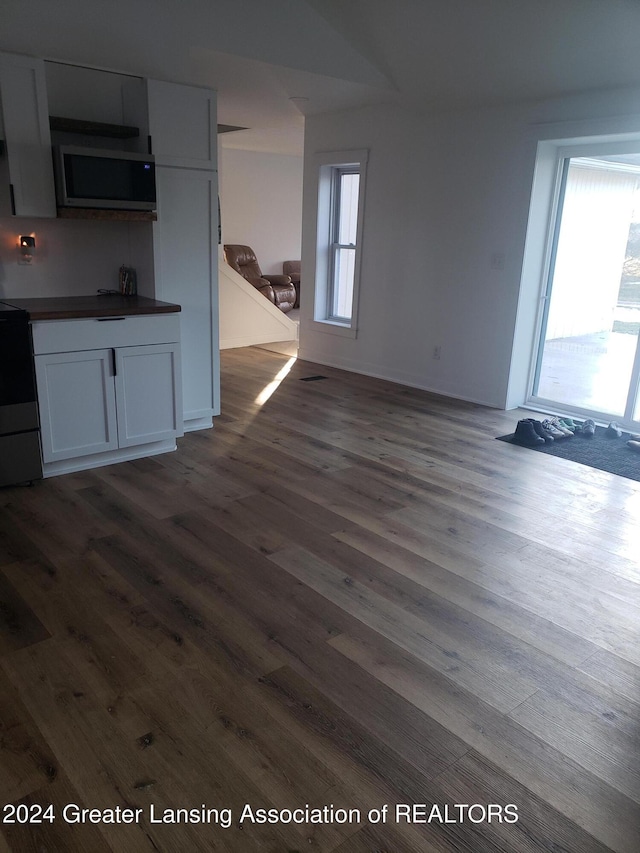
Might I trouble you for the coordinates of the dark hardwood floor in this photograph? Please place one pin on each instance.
(349, 595)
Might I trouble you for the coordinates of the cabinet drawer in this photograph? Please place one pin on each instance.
(99, 333)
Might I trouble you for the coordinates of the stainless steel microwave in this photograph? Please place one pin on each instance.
(116, 180)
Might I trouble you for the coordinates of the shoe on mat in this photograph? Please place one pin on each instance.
(553, 431)
(525, 434)
(634, 445)
(613, 430)
(568, 423)
(557, 423)
(589, 428)
(540, 430)
(547, 432)
(576, 426)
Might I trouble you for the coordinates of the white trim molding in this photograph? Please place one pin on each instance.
(325, 164)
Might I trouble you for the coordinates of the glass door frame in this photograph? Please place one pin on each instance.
(564, 154)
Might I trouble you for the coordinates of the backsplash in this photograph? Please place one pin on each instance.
(74, 257)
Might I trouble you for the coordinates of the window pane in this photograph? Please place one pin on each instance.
(348, 208)
(345, 260)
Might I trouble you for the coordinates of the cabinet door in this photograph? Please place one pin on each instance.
(76, 396)
(28, 139)
(148, 398)
(182, 125)
(185, 255)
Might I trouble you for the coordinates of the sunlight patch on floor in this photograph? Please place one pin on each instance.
(269, 389)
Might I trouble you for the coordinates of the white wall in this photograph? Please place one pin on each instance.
(446, 217)
(261, 204)
(429, 236)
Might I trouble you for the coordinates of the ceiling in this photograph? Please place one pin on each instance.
(274, 61)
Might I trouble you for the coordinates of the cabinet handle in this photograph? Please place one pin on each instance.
(149, 145)
(13, 200)
(109, 319)
(113, 359)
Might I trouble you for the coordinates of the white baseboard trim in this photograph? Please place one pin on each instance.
(411, 381)
(110, 457)
(255, 340)
(194, 424)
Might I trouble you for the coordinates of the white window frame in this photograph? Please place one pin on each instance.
(329, 166)
(337, 173)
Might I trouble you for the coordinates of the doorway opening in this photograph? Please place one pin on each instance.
(588, 356)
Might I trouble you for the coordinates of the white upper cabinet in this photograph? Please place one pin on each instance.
(28, 188)
(182, 125)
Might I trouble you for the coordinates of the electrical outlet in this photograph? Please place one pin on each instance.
(436, 351)
(497, 261)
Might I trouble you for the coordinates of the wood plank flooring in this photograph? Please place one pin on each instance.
(350, 595)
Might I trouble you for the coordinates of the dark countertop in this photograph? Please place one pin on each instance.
(99, 305)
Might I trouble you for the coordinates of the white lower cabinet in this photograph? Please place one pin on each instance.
(77, 399)
(99, 406)
(147, 405)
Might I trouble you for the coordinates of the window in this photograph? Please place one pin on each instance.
(340, 210)
(344, 229)
(588, 356)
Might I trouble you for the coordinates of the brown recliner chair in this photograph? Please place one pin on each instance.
(292, 268)
(277, 288)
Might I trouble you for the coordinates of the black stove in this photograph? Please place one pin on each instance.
(20, 459)
(8, 311)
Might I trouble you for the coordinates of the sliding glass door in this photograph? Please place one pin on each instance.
(588, 359)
